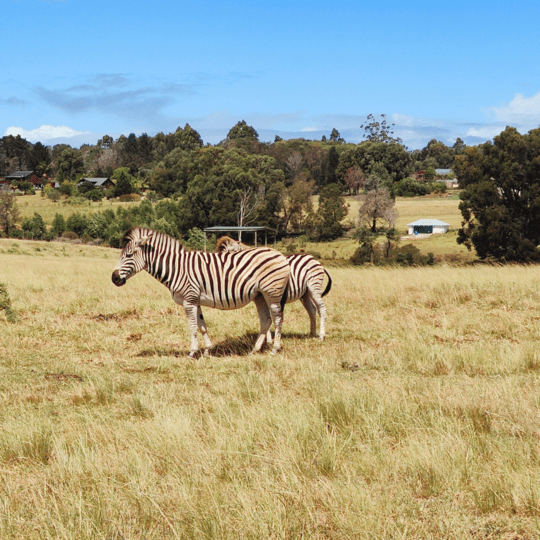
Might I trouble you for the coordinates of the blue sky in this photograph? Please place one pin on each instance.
(75, 70)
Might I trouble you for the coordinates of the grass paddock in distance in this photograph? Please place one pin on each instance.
(416, 418)
(47, 209)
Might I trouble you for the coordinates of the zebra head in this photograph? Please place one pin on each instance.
(132, 258)
(227, 244)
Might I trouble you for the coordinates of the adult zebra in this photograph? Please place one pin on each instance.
(305, 283)
(218, 280)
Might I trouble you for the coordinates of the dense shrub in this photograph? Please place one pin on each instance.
(77, 223)
(410, 187)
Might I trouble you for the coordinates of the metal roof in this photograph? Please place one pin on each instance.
(432, 222)
(96, 181)
(236, 229)
(19, 174)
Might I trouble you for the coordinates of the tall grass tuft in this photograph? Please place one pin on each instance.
(5, 304)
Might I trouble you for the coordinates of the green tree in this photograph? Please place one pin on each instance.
(34, 226)
(500, 201)
(124, 183)
(39, 159)
(77, 223)
(336, 137)
(297, 204)
(70, 162)
(330, 166)
(242, 131)
(220, 178)
(187, 138)
(9, 212)
(366, 252)
(331, 211)
(129, 149)
(58, 225)
(410, 187)
(97, 226)
(370, 157)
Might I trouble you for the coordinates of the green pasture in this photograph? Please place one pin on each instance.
(47, 209)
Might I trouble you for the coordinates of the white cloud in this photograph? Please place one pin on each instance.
(310, 129)
(45, 133)
(403, 120)
(484, 132)
(521, 110)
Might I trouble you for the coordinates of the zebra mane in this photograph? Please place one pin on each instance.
(137, 232)
(226, 243)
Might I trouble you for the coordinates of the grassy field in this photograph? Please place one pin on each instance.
(412, 208)
(443, 246)
(417, 418)
(409, 209)
(47, 209)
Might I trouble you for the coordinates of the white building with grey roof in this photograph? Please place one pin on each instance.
(427, 226)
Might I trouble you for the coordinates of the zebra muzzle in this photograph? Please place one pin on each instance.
(117, 279)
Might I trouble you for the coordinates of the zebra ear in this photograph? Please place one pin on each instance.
(143, 241)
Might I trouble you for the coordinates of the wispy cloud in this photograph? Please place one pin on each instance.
(14, 102)
(115, 94)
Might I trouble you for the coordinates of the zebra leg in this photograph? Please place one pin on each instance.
(309, 304)
(191, 312)
(202, 327)
(321, 308)
(277, 317)
(265, 320)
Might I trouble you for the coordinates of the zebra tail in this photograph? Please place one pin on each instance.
(284, 296)
(328, 285)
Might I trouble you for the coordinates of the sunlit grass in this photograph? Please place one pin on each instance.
(416, 418)
(47, 209)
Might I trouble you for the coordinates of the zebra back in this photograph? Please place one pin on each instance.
(226, 280)
(306, 271)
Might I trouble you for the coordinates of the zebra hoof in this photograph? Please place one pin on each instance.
(206, 353)
(192, 354)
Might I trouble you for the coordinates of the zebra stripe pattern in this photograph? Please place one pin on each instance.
(305, 282)
(219, 280)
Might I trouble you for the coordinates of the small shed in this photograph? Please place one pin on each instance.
(445, 175)
(238, 230)
(102, 183)
(428, 226)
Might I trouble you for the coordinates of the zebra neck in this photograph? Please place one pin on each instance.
(162, 260)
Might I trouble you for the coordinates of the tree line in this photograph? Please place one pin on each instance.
(242, 180)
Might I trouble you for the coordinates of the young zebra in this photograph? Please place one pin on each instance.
(222, 281)
(305, 282)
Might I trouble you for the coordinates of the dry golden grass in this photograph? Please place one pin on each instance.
(416, 418)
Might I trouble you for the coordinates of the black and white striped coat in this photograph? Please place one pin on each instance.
(305, 282)
(219, 280)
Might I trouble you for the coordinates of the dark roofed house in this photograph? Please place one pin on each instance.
(20, 176)
(24, 176)
(102, 183)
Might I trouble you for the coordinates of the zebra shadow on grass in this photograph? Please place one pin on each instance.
(230, 346)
